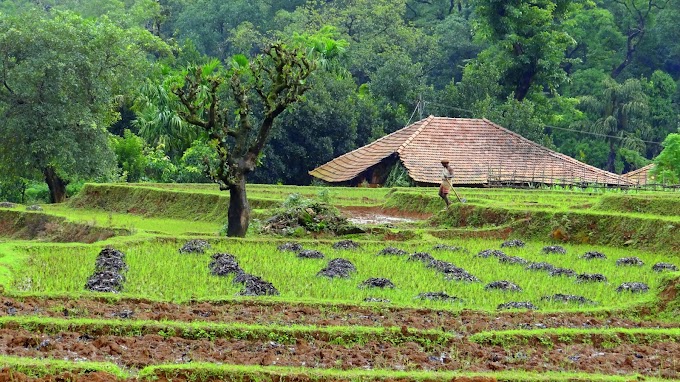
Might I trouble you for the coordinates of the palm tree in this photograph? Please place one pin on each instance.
(620, 115)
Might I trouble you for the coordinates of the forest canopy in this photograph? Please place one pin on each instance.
(86, 91)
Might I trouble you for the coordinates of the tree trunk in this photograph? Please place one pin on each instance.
(56, 185)
(239, 210)
(611, 158)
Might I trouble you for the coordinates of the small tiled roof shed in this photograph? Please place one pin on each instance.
(479, 151)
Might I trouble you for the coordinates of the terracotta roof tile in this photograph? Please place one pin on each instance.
(478, 150)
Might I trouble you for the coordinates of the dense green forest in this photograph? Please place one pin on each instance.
(89, 87)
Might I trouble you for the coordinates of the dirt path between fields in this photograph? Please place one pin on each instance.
(254, 312)
(659, 359)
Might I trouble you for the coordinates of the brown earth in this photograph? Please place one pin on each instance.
(254, 312)
(659, 359)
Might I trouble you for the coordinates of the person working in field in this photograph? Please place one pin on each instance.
(445, 188)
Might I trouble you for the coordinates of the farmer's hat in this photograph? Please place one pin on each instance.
(445, 161)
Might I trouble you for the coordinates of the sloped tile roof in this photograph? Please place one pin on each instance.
(479, 151)
(639, 176)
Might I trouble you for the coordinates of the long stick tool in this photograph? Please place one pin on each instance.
(462, 200)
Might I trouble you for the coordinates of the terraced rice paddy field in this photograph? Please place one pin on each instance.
(135, 283)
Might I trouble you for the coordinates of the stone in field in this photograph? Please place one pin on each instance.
(630, 261)
(592, 255)
(517, 305)
(195, 246)
(491, 252)
(541, 266)
(557, 272)
(556, 249)
(423, 257)
(633, 287)
(513, 243)
(392, 251)
(567, 298)
(591, 278)
(437, 296)
(291, 246)
(7, 205)
(346, 244)
(223, 264)
(34, 207)
(503, 285)
(310, 254)
(661, 267)
(377, 282)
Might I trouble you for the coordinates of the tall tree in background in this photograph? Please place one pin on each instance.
(60, 77)
(266, 86)
(620, 114)
(528, 41)
(635, 18)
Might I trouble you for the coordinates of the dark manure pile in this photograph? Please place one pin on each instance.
(423, 257)
(593, 255)
(452, 272)
(491, 252)
(254, 285)
(633, 287)
(449, 248)
(437, 296)
(664, 267)
(377, 282)
(512, 260)
(568, 298)
(629, 262)
(346, 244)
(503, 285)
(310, 254)
(513, 243)
(554, 249)
(338, 268)
(376, 299)
(109, 274)
(195, 246)
(559, 272)
(224, 264)
(290, 246)
(392, 251)
(540, 266)
(591, 278)
(517, 305)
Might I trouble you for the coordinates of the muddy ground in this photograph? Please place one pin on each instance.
(253, 312)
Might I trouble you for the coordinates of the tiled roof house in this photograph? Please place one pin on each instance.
(639, 177)
(479, 151)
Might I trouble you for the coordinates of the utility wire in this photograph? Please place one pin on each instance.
(547, 126)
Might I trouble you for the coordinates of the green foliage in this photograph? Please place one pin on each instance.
(129, 150)
(667, 164)
(398, 177)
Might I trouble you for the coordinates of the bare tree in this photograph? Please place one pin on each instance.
(275, 79)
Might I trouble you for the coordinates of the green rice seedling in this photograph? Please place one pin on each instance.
(157, 270)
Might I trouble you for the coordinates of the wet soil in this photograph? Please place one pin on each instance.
(260, 312)
(658, 359)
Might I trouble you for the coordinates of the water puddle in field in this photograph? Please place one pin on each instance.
(378, 219)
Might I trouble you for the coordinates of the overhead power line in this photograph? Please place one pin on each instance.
(545, 126)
